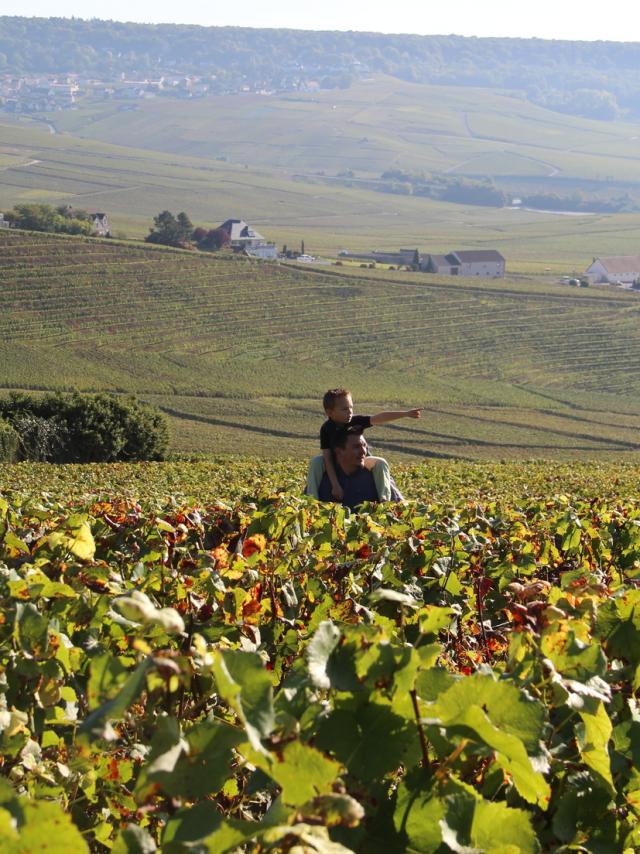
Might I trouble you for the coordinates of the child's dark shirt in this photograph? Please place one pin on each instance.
(330, 429)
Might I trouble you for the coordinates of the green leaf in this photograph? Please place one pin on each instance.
(370, 739)
(473, 824)
(593, 737)
(46, 827)
(321, 645)
(418, 813)
(106, 676)
(618, 624)
(134, 840)
(189, 767)
(434, 619)
(96, 724)
(189, 825)
(500, 716)
(508, 708)
(303, 773)
(32, 630)
(244, 683)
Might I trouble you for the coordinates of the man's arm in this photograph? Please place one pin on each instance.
(395, 415)
(336, 489)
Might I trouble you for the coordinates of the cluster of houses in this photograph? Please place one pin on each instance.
(461, 262)
(50, 92)
(37, 94)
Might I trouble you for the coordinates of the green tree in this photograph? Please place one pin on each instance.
(170, 230)
(85, 428)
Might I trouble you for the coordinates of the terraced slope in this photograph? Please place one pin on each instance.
(198, 333)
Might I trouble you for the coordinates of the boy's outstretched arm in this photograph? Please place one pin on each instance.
(395, 415)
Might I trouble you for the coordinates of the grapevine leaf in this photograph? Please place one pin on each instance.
(473, 825)
(245, 684)
(501, 717)
(31, 629)
(134, 840)
(190, 767)
(303, 773)
(45, 827)
(370, 740)
(96, 724)
(319, 650)
(418, 813)
(593, 736)
(75, 537)
(107, 674)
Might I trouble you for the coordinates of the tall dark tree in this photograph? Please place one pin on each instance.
(170, 230)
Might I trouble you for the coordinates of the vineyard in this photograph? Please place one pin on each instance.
(197, 658)
(508, 368)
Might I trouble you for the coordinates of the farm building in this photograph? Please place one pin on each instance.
(4, 223)
(443, 264)
(467, 262)
(614, 268)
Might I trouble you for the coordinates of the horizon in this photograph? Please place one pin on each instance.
(495, 19)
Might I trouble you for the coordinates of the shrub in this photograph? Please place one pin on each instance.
(9, 443)
(85, 428)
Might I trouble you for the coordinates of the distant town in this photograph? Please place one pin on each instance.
(53, 92)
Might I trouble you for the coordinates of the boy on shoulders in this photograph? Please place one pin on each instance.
(338, 407)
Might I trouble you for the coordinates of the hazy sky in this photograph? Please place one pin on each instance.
(617, 20)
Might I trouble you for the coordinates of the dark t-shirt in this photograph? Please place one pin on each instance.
(330, 429)
(357, 487)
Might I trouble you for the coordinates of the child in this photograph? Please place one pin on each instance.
(338, 406)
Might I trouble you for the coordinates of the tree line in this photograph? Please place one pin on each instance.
(595, 79)
(59, 220)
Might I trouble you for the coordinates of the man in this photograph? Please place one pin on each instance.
(356, 480)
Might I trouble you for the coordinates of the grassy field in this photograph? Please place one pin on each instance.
(239, 352)
(274, 161)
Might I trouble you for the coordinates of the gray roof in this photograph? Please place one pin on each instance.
(238, 230)
(441, 260)
(478, 256)
(619, 263)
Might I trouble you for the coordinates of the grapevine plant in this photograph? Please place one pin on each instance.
(280, 675)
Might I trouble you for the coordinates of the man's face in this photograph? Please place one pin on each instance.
(342, 410)
(353, 455)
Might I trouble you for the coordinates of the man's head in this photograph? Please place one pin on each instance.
(350, 450)
(338, 405)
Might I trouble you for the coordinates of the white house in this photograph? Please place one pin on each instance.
(614, 268)
(3, 222)
(467, 262)
(269, 251)
(479, 262)
(100, 224)
(241, 235)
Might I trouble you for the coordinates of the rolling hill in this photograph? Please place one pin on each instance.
(238, 352)
(309, 166)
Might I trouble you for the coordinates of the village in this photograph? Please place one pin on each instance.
(35, 93)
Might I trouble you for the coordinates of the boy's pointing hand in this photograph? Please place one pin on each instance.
(415, 413)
